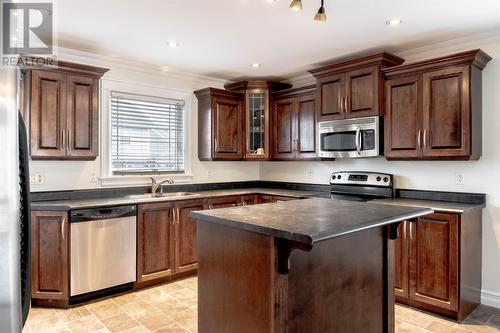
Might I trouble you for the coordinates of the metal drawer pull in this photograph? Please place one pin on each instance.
(404, 229)
(425, 138)
(63, 227)
(419, 139)
(411, 230)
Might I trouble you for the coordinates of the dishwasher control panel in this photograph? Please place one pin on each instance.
(103, 213)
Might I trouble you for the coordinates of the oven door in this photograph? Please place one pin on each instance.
(351, 138)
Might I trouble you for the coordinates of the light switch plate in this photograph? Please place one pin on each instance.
(459, 179)
(37, 179)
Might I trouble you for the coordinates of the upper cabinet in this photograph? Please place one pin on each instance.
(433, 108)
(234, 124)
(220, 124)
(62, 110)
(352, 88)
(294, 124)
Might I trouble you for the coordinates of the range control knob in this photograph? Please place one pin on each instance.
(334, 177)
(386, 179)
(379, 178)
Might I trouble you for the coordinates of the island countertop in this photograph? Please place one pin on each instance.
(310, 220)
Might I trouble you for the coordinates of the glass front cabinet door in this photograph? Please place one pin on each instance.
(257, 123)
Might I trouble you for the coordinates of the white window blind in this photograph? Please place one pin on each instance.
(147, 134)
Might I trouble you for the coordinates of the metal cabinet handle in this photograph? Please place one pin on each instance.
(358, 140)
(425, 138)
(411, 229)
(63, 139)
(345, 103)
(63, 227)
(418, 139)
(68, 137)
(404, 229)
(297, 146)
(178, 219)
(342, 109)
(339, 103)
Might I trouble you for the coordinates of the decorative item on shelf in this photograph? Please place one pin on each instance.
(320, 15)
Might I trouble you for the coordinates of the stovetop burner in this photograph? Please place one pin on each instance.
(361, 185)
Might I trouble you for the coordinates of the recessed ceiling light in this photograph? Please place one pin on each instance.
(394, 22)
(173, 44)
(256, 65)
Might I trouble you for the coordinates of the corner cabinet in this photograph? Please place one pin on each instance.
(352, 88)
(433, 108)
(294, 124)
(61, 107)
(220, 124)
(438, 263)
(49, 258)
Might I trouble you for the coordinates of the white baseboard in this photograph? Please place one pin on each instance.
(490, 298)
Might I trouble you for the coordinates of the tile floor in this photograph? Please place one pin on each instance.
(173, 308)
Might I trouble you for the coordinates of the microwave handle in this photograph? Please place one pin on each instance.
(358, 140)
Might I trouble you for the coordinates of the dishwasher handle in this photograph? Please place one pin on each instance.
(103, 213)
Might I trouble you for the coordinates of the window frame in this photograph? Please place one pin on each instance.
(108, 178)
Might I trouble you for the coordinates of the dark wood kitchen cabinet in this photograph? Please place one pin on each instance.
(220, 124)
(50, 258)
(294, 124)
(438, 263)
(224, 202)
(155, 241)
(434, 108)
(62, 109)
(352, 88)
(186, 254)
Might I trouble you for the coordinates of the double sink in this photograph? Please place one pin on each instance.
(163, 195)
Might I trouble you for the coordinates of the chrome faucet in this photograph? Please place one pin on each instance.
(155, 185)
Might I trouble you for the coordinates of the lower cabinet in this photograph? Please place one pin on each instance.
(186, 255)
(155, 241)
(224, 202)
(49, 256)
(273, 198)
(438, 263)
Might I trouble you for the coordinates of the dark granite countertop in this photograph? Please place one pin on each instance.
(437, 206)
(128, 200)
(311, 220)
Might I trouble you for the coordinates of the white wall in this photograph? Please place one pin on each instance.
(481, 176)
(71, 175)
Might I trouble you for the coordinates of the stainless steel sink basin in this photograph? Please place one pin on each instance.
(162, 195)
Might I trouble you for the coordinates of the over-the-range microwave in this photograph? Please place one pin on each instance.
(350, 138)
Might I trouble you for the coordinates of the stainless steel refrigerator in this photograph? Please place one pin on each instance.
(15, 287)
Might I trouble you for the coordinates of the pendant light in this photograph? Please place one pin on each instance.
(320, 15)
(296, 5)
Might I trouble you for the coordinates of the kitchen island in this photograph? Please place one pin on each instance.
(314, 265)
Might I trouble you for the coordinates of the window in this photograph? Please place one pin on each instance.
(147, 134)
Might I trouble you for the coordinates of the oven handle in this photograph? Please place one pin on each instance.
(358, 140)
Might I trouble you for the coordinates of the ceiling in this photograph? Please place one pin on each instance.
(222, 38)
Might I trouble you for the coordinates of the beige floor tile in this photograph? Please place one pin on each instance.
(85, 325)
(120, 323)
(127, 298)
(187, 319)
(46, 322)
(407, 327)
(154, 295)
(156, 321)
(445, 327)
(171, 308)
(172, 328)
(415, 318)
(68, 315)
(139, 309)
(106, 310)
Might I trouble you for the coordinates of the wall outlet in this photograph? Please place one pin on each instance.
(459, 179)
(37, 179)
(93, 178)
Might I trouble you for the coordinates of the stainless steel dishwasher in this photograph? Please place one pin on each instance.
(103, 248)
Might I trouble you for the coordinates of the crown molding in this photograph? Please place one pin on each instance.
(141, 67)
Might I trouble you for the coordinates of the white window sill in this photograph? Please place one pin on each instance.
(137, 180)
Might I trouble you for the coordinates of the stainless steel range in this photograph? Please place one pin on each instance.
(361, 185)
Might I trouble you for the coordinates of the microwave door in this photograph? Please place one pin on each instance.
(341, 144)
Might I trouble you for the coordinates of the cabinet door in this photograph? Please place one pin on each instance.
(48, 115)
(305, 127)
(446, 113)
(363, 92)
(227, 128)
(186, 254)
(155, 241)
(401, 263)
(331, 92)
(434, 261)
(82, 115)
(49, 255)
(283, 129)
(402, 121)
(267, 198)
(224, 202)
